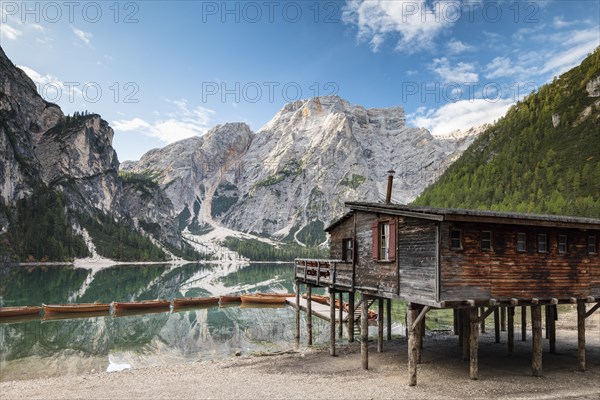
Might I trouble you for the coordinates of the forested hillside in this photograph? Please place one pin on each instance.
(543, 156)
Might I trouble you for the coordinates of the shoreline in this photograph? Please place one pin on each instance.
(313, 373)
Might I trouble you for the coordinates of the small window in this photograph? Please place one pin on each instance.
(542, 243)
(347, 250)
(455, 239)
(592, 249)
(384, 240)
(486, 241)
(521, 242)
(562, 244)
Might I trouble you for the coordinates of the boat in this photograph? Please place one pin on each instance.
(317, 298)
(75, 308)
(195, 301)
(229, 299)
(262, 299)
(139, 305)
(19, 311)
(74, 315)
(284, 295)
(262, 305)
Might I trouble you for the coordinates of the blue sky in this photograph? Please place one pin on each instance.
(161, 71)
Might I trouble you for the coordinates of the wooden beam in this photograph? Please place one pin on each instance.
(466, 350)
(332, 322)
(380, 325)
(503, 318)
(351, 317)
(421, 315)
(487, 313)
(309, 313)
(535, 301)
(523, 323)
(482, 319)
(341, 315)
(536, 323)
(554, 301)
(473, 343)
(514, 302)
(460, 326)
(551, 324)
(581, 334)
(592, 310)
(497, 324)
(364, 331)
(389, 318)
(297, 310)
(411, 315)
(455, 320)
(511, 330)
(493, 302)
(573, 300)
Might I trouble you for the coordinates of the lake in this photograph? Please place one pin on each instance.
(44, 348)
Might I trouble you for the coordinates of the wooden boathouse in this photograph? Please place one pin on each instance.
(475, 262)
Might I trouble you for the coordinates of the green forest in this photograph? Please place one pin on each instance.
(256, 250)
(526, 162)
(39, 230)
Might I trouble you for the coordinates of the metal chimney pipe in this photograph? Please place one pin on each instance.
(388, 197)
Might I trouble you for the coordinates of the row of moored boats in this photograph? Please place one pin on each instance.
(117, 306)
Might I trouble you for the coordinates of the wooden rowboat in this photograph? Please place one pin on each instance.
(18, 311)
(195, 301)
(138, 305)
(74, 315)
(75, 308)
(229, 299)
(262, 299)
(284, 295)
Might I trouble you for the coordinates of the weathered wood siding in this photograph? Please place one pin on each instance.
(377, 275)
(504, 273)
(418, 255)
(343, 231)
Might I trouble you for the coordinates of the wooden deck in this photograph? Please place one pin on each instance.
(318, 309)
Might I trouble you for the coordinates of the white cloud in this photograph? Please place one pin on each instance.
(8, 32)
(457, 47)
(416, 24)
(85, 37)
(462, 114)
(560, 22)
(459, 73)
(52, 88)
(185, 122)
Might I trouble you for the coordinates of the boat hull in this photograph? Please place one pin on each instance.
(75, 308)
(18, 311)
(141, 305)
(195, 301)
(229, 299)
(254, 299)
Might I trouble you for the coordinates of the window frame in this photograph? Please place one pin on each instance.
(524, 241)
(490, 240)
(381, 237)
(566, 244)
(460, 243)
(348, 253)
(545, 235)
(592, 240)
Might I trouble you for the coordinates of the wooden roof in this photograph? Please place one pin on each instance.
(455, 214)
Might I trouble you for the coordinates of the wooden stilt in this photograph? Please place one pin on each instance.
(422, 334)
(297, 310)
(461, 327)
(473, 343)
(503, 318)
(536, 330)
(551, 324)
(411, 315)
(523, 323)
(482, 310)
(581, 334)
(380, 325)
(455, 315)
(547, 320)
(341, 315)
(466, 335)
(511, 330)
(332, 322)
(351, 317)
(389, 318)
(419, 333)
(309, 314)
(497, 324)
(364, 332)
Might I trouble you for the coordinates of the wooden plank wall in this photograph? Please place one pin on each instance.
(417, 254)
(504, 273)
(379, 275)
(343, 231)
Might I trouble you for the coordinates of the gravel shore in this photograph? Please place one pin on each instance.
(314, 374)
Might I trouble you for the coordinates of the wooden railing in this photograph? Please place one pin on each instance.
(319, 271)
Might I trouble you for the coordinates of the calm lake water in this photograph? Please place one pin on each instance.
(42, 348)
